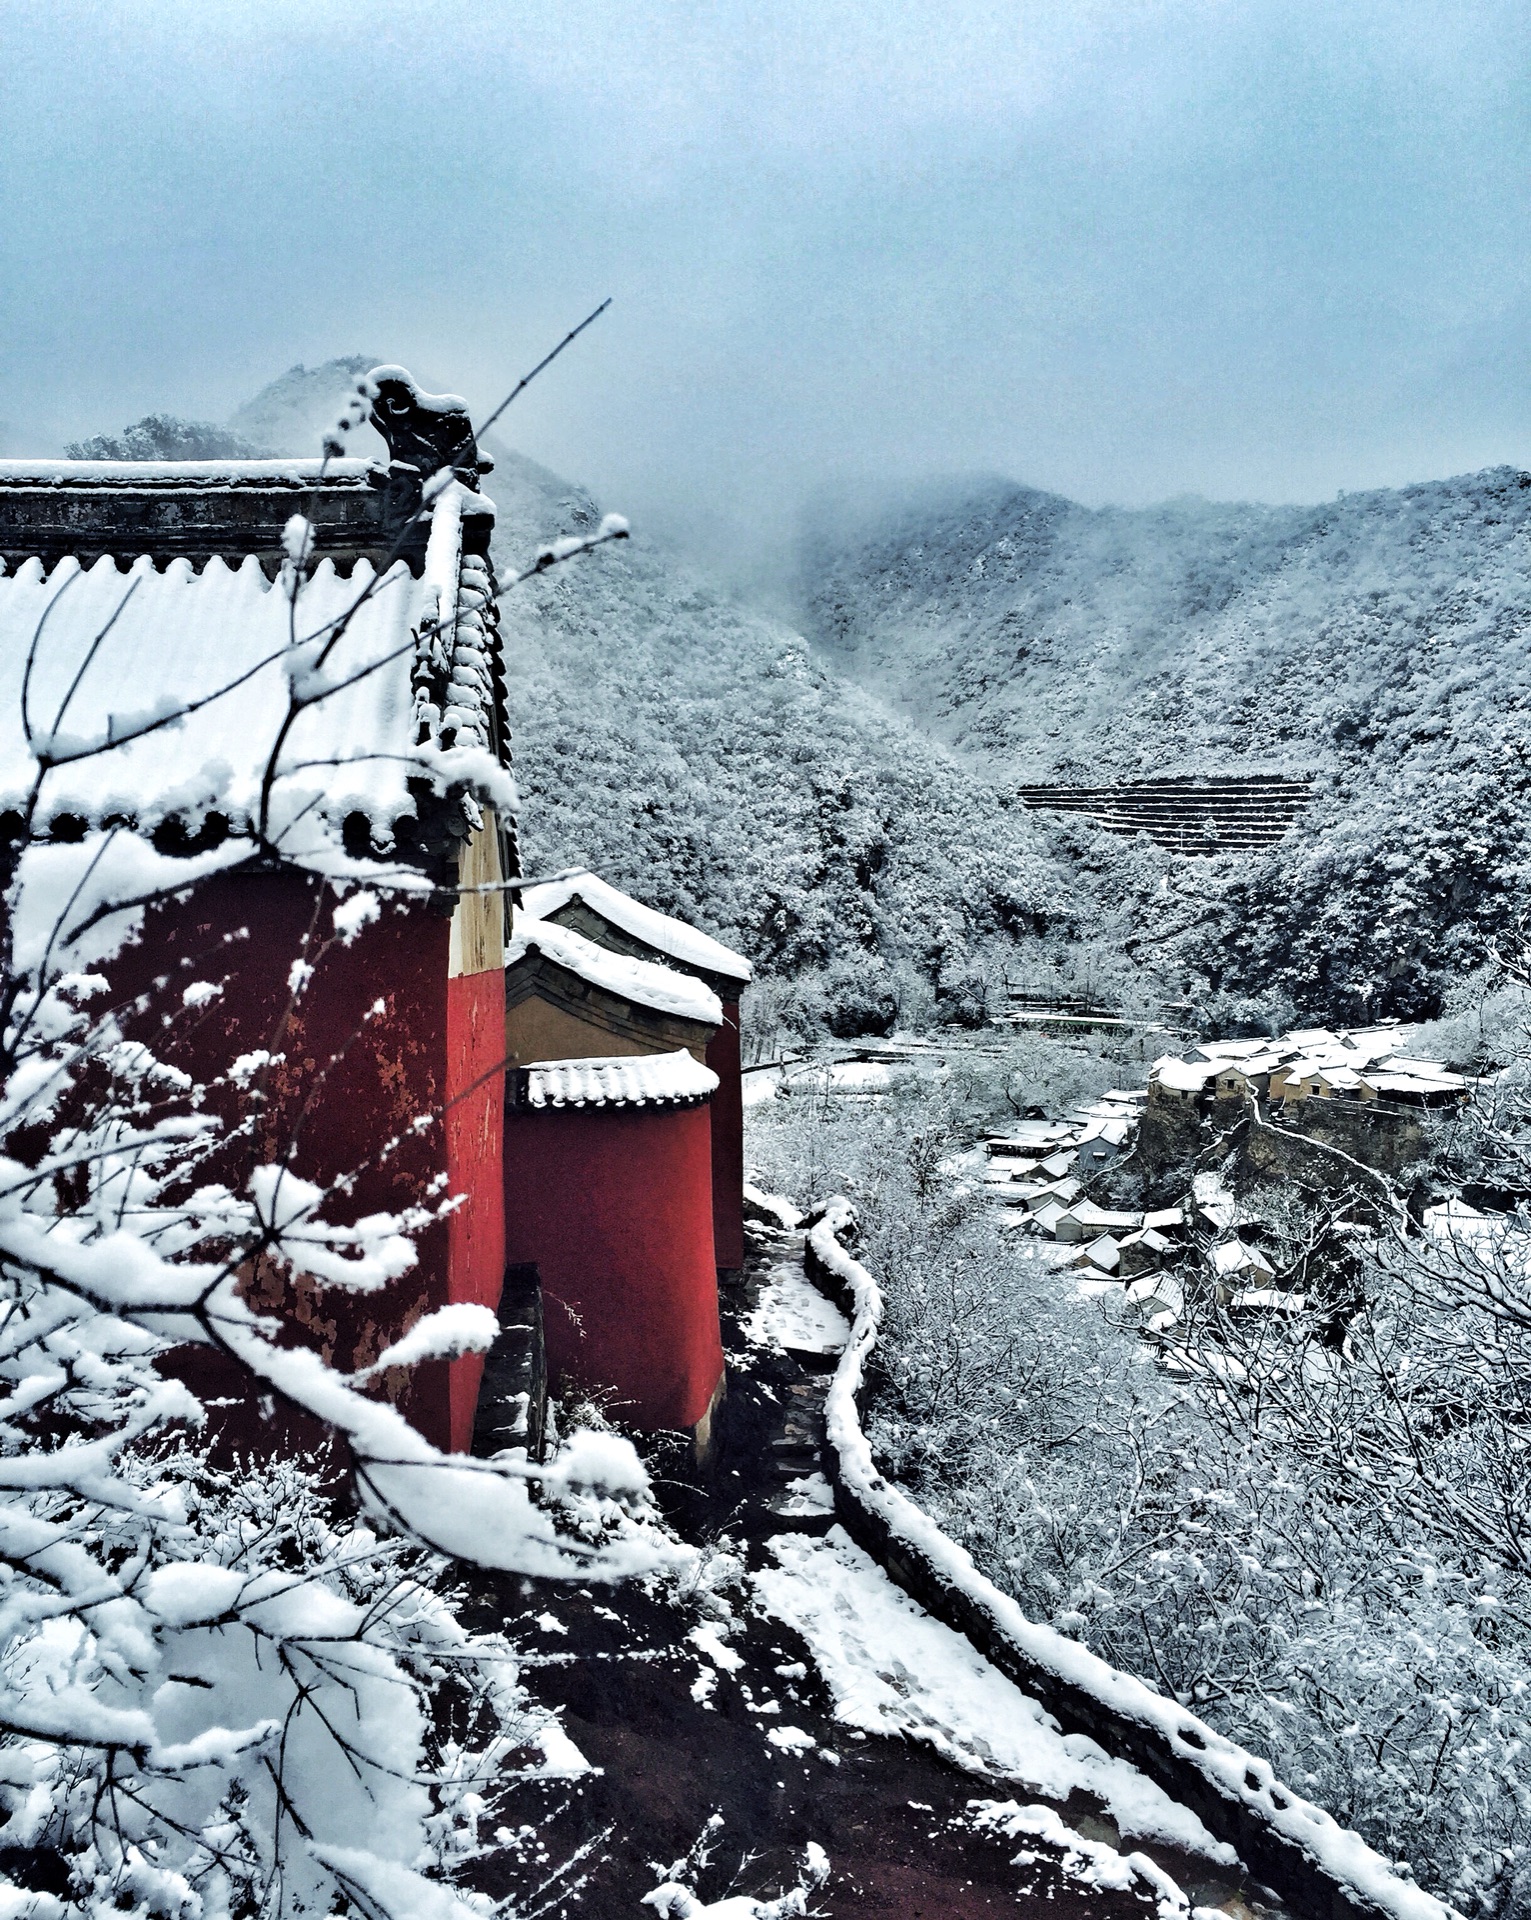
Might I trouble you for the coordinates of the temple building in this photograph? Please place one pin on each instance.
(279, 684)
(589, 905)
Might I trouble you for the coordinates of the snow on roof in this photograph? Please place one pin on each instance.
(1308, 1067)
(1105, 1219)
(1165, 1217)
(403, 702)
(643, 982)
(1230, 1049)
(143, 475)
(1234, 1257)
(666, 935)
(1425, 1070)
(1386, 1081)
(635, 1080)
(1185, 1076)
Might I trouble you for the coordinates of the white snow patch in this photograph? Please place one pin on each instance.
(1343, 1855)
(792, 1739)
(811, 1494)
(894, 1670)
(791, 1312)
(705, 1640)
(1091, 1862)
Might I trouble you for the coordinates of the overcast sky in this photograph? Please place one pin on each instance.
(1121, 250)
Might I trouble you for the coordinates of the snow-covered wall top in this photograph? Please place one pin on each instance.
(682, 943)
(156, 474)
(642, 982)
(642, 1080)
(1313, 1862)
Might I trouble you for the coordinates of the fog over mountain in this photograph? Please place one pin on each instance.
(837, 795)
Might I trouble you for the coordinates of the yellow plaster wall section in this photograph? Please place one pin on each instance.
(478, 921)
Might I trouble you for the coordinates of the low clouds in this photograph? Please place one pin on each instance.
(1122, 250)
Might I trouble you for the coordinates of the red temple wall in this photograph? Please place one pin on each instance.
(727, 1110)
(614, 1204)
(347, 1085)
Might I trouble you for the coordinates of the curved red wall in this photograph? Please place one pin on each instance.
(727, 1141)
(614, 1204)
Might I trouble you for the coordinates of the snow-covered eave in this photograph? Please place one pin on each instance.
(665, 1080)
(640, 982)
(199, 809)
(1298, 1849)
(161, 475)
(688, 946)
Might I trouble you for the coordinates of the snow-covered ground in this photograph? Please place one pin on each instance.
(892, 1669)
(794, 1315)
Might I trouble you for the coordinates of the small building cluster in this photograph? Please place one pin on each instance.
(1037, 1174)
(1368, 1064)
(1362, 1090)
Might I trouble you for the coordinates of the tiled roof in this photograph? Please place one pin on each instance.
(639, 1080)
(642, 982)
(148, 588)
(674, 938)
(410, 714)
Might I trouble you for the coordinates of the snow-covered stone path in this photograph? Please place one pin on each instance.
(793, 1697)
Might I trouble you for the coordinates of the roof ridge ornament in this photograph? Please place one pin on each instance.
(425, 432)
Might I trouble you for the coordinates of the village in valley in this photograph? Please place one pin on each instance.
(1040, 1171)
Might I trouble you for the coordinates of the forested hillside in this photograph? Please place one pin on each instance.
(1378, 642)
(696, 752)
(840, 806)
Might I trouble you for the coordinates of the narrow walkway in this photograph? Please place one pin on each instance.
(716, 1707)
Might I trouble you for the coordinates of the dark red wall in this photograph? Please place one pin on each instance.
(347, 1087)
(614, 1204)
(727, 1141)
(475, 1145)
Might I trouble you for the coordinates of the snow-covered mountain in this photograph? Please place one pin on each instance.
(1379, 642)
(697, 753)
(1058, 641)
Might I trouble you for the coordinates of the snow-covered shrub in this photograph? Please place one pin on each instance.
(256, 1714)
